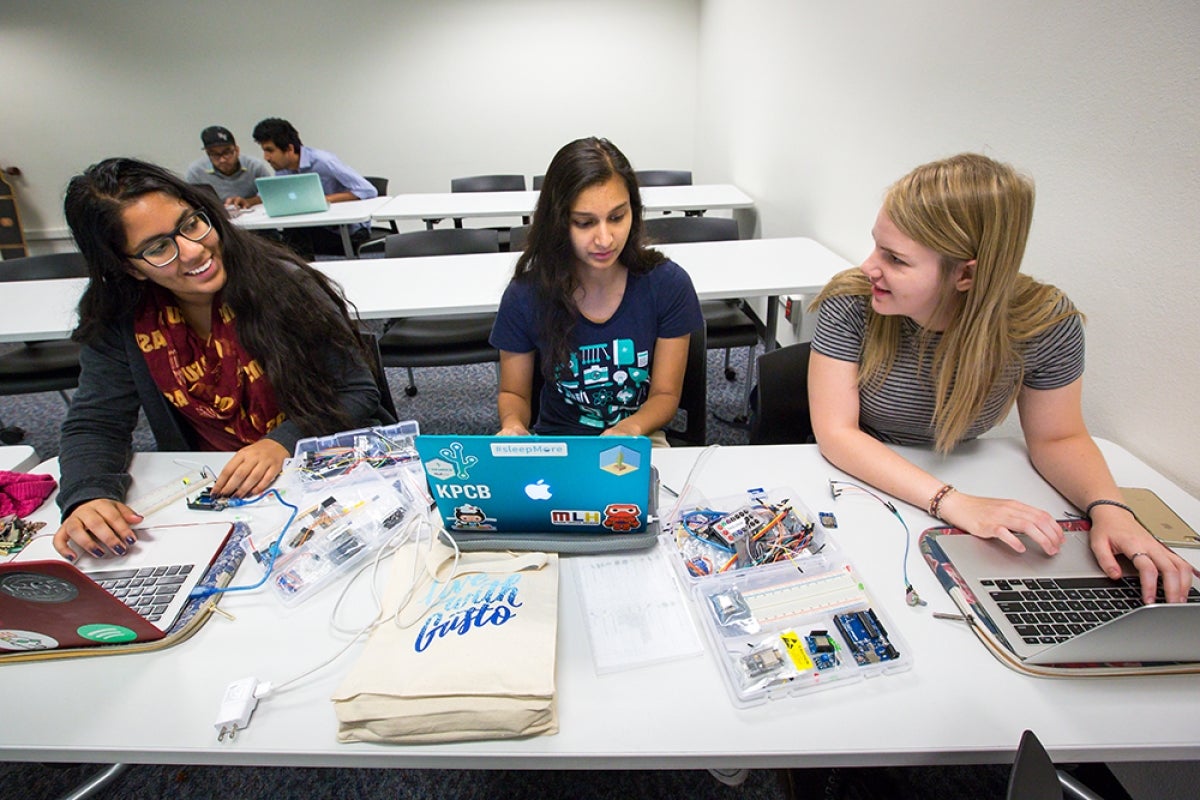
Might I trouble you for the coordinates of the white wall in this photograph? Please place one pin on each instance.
(814, 108)
(416, 91)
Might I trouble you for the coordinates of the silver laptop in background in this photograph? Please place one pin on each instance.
(1063, 609)
(287, 195)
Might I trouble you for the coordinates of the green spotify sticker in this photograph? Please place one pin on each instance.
(108, 634)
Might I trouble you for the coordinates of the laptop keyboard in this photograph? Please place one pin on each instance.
(1052, 610)
(147, 590)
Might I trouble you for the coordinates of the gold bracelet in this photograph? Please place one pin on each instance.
(935, 503)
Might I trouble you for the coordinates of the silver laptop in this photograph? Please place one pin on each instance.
(286, 195)
(1063, 609)
(159, 572)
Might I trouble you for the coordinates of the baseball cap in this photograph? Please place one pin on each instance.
(215, 135)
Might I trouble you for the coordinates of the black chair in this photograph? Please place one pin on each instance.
(490, 183)
(663, 177)
(729, 323)
(518, 237)
(693, 397)
(378, 232)
(39, 366)
(438, 341)
(779, 404)
(1034, 776)
(538, 180)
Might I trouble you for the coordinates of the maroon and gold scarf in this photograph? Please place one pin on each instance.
(215, 384)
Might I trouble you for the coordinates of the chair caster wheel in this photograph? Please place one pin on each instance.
(730, 374)
(411, 391)
(12, 434)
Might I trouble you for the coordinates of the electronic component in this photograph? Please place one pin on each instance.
(206, 502)
(828, 519)
(239, 702)
(823, 649)
(171, 491)
(866, 637)
(15, 533)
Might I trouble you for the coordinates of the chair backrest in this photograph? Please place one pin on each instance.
(1033, 775)
(779, 404)
(379, 183)
(663, 177)
(665, 230)
(488, 183)
(518, 237)
(47, 267)
(693, 399)
(441, 242)
(537, 182)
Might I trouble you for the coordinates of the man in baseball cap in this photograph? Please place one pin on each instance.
(224, 168)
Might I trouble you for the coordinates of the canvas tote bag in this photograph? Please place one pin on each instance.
(464, 652)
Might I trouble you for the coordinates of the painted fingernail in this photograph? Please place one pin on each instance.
(118, 549)
(130, 540)
(98, 553)
(69, 557)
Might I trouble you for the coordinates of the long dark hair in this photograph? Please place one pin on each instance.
(548, 259)
(287, 312)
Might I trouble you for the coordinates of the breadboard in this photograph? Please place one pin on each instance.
(173, 490)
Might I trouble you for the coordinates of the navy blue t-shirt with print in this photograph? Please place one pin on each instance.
(608, 376)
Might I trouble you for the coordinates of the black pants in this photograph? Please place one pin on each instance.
(311, 242)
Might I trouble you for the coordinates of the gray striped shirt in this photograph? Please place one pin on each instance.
(900, 410)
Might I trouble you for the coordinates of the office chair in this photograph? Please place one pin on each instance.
(663, 177)
(441, 341)
(518, 237)
(490, 183)
(1034, 776)
(39, 366)
(693, 398)
(378, 232)
(729, 323)
(779, 403)
(538, 180)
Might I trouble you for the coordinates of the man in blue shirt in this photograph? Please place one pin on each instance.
(283, 150)
(224, 168)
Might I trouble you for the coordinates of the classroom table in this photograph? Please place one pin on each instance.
(339, 215)
(17, 458)
(438, 285)
(956, 705)
(440, 205)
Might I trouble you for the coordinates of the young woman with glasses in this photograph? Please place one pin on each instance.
(225, 340)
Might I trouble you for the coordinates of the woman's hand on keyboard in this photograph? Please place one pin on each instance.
(1116, 531)
(98, 527)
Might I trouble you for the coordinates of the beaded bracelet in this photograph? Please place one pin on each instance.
(1087, 512)
(935, 503)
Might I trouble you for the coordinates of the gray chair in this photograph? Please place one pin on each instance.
(729, 323)
(378, 232)
(445, 340)
(490, 183)
(690, 427)
(779, 404)
(538, 180)
(518, 237)
(663, 177)
(1034, 776)
(51, 366)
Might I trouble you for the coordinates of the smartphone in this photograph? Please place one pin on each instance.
(1158, 518)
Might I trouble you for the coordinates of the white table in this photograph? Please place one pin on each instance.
(18, 458)
(339, 215)
(435, 285)
(439, 205)
(956, 705)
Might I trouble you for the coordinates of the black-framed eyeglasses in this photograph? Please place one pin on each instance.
(164, 250)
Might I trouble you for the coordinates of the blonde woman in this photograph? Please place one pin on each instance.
(934, 338)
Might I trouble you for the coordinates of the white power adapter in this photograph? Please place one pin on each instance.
(239, 702)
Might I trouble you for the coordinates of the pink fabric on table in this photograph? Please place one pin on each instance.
(22, 492)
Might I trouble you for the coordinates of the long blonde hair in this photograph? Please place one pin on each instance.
(964, 207)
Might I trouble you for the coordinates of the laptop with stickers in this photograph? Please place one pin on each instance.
(285, 195)
(47, 603)
(557, 485)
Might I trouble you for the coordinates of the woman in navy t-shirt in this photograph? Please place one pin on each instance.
(609, 318)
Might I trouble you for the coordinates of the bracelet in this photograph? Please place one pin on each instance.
(1087, 512)
(935, 503)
